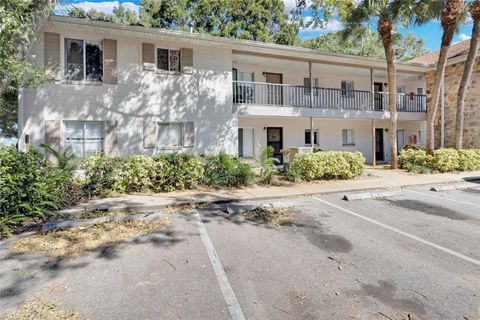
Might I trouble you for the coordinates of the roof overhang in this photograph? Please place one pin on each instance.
(238, 46)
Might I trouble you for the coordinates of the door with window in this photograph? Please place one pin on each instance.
(274, 90)
(275, 140)
(401, 98)
(378, 89)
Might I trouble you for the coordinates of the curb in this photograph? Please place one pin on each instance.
(154, 207)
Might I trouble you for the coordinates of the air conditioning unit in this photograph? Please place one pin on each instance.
(289, 154)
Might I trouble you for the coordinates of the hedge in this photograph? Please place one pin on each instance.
(443, 160)
(328, 165)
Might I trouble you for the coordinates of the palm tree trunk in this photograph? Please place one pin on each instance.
(467, 74)
(450, 15)
(385, 28)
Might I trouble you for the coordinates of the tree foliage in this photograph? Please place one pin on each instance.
(369, 45)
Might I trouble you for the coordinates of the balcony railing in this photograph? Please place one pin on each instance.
(271, 94)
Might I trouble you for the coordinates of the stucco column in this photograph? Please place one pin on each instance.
(20, 136)
(372, 103)
(312, 142)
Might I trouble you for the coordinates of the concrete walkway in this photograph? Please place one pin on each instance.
(377, 178)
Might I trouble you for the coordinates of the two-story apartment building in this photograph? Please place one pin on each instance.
(134, 90)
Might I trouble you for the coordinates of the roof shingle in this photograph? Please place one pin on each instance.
(455, 50)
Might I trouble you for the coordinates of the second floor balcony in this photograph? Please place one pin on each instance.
(288, 95)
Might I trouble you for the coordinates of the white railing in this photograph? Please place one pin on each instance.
(272, 94)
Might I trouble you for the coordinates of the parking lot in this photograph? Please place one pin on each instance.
(412, 254)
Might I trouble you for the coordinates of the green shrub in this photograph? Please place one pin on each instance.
(99, 171)
(178, 171)
(265, 159)
(469, 159)
(29, 187)
(133, 174)
(445, 160)
(328, 165)
(226, 171)
(415, 160)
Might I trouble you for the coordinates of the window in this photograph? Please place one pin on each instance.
(307, 136)
(169, 135)
(83, 60)
(419, 137)
(84, 137)
(245, 90)
(168, 60)
(348, 137)
(306, 86)
(347, 89)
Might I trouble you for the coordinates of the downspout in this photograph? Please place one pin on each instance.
(312, 142)
(442, 116)
(20, 138)
(372, 103)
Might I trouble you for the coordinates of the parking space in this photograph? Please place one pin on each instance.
(412, 253)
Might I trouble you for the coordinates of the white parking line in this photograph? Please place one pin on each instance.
(403, 233)
(236, 312)
(444, 198)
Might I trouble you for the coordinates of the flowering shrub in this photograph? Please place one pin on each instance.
(443, 160)
(328, 165)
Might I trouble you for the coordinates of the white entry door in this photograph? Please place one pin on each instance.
(245, 142)
(400, 140)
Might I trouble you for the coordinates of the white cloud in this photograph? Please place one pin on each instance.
(289, 5)
(333, 25)
(463, 36)
(105, 6)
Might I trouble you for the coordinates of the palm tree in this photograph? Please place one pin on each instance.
(451, 12)
(388, 13)
(474, 8)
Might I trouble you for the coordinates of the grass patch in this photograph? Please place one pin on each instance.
(45, 310)
(264, 215)
(63, 242)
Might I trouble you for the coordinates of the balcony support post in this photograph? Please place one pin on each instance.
(312, 142)
(372, 103)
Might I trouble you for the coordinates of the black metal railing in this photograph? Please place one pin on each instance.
(272, 94)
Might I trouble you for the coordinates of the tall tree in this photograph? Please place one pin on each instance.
(406, 47)
(474, 8)
(451, 12)
(387, 13)
(19, 22)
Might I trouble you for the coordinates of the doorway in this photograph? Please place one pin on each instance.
(275, 139)
(274, 92)
(379, 145)
(377, 89)
(400, 140)
(245, 142)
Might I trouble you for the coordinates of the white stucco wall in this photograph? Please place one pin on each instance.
(329, 132)
(203, 97)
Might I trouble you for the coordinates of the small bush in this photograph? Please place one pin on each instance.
(100, 174)
(469, 160)
(29, 187)
(133, 174)
(328, 165)
(445, 160)
(226, 171)
(179, 171)
(267, 162)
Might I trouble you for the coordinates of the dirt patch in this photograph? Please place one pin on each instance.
(264, 215)
(92, 214)
(428, 208)
(86, 238)
(45, 310)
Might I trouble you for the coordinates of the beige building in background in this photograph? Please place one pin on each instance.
(126, 90)
(446, 113)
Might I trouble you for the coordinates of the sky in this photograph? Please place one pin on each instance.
(431, 33)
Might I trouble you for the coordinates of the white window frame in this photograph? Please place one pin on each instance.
(345, 141)
(101, 140)
(347, 93)
(169, 71)
(170, 146)
(84, 80)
